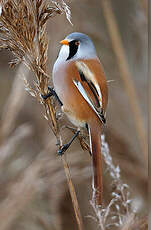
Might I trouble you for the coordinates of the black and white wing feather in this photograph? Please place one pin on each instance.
(87, 76)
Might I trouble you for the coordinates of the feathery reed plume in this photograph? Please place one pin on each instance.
(120, 212)
(23, 32)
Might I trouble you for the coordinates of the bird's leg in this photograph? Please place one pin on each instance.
(52, 92)
(83, 143)
(66, 146)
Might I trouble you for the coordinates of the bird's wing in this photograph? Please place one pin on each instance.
(87, 76)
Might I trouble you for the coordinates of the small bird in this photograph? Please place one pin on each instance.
(80, 84)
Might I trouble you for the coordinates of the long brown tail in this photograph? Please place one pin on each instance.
(95, 144)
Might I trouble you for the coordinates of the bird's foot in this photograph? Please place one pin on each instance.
(63, 148)
(51, 92)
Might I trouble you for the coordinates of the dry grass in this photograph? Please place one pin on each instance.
(120, 213)
(23, 32)
(25, 36)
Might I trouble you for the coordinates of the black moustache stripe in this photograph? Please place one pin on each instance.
(72, 49)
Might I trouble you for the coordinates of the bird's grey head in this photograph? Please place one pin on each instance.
(76, 46)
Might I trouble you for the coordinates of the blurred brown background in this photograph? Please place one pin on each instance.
(31, 202)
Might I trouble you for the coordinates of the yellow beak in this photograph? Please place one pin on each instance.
(64, 42)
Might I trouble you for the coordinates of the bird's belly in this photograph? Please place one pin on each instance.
(74, 106)
(74, 119)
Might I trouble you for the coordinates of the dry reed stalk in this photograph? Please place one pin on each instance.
(23, 32)
(125, 75)
(14, 104)
(21, 192)
(73, 194)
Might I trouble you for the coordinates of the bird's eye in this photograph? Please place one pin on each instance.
(77, 43)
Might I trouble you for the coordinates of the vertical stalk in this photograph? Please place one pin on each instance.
(125, 75)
